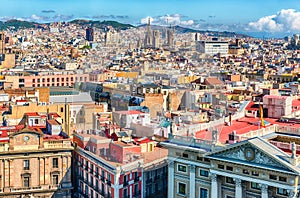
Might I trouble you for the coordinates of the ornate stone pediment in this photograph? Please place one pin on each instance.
(248, 153)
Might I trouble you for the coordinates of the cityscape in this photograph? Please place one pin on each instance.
(149, 99)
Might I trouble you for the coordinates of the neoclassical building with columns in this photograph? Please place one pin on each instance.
(251, 168)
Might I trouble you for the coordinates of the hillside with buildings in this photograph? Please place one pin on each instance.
(147, 112)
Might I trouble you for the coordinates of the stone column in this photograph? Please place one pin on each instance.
(214, 185)
(171, 179)
(238, 188)
(264, 191)
(192, 181)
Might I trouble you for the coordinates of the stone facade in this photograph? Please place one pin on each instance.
(31, 166)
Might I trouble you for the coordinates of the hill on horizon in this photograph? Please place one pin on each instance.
(18, 24)
(180, 29)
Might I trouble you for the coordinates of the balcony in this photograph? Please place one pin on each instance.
(50, 144)
(25, 189)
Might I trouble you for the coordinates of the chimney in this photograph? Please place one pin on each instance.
(232, 137)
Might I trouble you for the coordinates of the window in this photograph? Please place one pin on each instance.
(255, 185)
(26, 181)
(254, 173)
(36, 121)
(229, 168)
(55, 162)
(246, 172)
(203, 193)
(206, 160)
(181, 168)
(199, 158)
(220, 166)
(26, 164)
(136, 189)
(281, 191)
(61, 109)
(181, 188)
(204, 173)
(97, 171)
(282, 179)
(125, 180)
(54, 179)
(185, 155)
(274, 177)
(125, 193)
(229, 180)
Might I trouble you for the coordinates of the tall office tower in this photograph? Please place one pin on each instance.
(89, 34)
(156, 39)
(2, 42)
(197, 37)
(296, 39)
(170, 38)
(148, 36)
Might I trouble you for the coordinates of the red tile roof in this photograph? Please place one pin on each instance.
(242, 126)
(32, 114)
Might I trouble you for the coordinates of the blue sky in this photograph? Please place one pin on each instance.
(230, 14)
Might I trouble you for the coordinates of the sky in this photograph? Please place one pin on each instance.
(273, 16)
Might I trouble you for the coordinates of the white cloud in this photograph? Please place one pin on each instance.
(174, 19)
(145, 20)
(37, 18)
(286, 20)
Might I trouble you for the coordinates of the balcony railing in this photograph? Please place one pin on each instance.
(25, 189)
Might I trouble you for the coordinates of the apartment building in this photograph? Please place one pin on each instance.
(117, 169)
(212, 47)
(54, 80)
(255, 167)
(35, 163)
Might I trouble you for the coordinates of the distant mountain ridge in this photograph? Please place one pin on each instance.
(17, 24)
(102, 24)
(180, 29)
